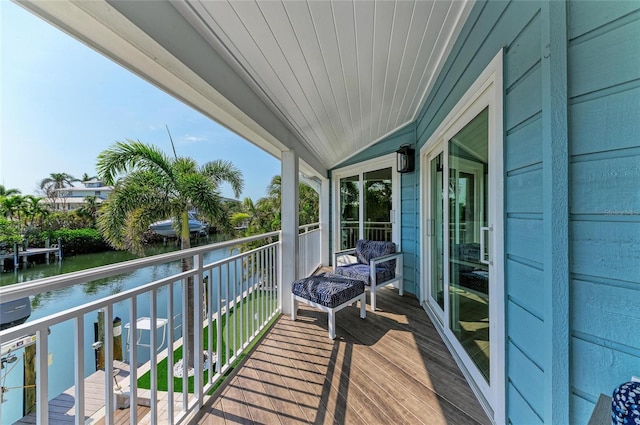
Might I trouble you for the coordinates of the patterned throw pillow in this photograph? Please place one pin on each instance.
(625, 405)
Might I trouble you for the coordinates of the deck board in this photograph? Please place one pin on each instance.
(391, 367)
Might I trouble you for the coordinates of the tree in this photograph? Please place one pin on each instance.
(89, 209)
(8, 192)
(268, 209)
(86, 177)
(33, 209)
(11, 207)
(51, 185)
(155, 187)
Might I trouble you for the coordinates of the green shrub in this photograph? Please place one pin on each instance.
(78, 241)
(9, 233)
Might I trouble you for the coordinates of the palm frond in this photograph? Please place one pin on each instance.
(131, 155)
(221, 171)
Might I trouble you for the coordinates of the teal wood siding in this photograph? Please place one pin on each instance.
(604, 148)
(599, 337)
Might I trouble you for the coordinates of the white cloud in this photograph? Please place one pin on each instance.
(187, 139)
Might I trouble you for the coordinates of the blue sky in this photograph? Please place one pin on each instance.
(62, 103)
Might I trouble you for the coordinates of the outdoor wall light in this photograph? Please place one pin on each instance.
(406, 159)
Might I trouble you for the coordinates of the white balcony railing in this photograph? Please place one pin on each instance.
(241, 294)
(309, 256)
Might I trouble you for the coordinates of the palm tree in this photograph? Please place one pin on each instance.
(89, 209)
(32, 209)
(56, 181)
(12, 206)
(156, 187)
(86, 177)
(8, 192)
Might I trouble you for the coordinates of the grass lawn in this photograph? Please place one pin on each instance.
(242, 309)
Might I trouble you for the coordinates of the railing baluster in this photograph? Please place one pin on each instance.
(197, 327)
(210, 324)
(245, 280)
(170, 360)
(228, 319)
(153, 359)
(108, 364)
(241, 301)
(185, 345)
(133, 359)
(277, 301)
(78, 345)
(254, 284)
(263, 286)
(219, 322)
(42, 376)
(235, 311)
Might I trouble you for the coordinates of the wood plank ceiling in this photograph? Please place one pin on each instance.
(341, 74)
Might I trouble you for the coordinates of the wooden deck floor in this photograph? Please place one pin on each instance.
(391, 368)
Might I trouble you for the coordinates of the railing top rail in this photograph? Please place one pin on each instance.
(13, 292)
(306, 226)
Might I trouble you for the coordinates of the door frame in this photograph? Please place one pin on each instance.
(486, 91)
(384, 161)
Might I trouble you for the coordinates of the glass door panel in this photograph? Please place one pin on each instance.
(377, 205)
(435, 231)
(468, 268)
(349, 211)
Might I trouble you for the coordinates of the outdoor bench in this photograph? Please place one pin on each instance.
(330, 293)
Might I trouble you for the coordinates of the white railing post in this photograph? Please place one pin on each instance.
(325, 249)
(42, 377)
(131, 344)
(197, 324)
(289, 237)
(78, 342)
(153, 357)
(219, 322)
(108, 364)
(170, 360)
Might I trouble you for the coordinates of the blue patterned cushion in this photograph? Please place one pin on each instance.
(328, 289)
(366, 250)
(478, 280)
(625, 404)
(361, 272)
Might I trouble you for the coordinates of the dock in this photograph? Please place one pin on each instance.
(62, 408)
(19, 256)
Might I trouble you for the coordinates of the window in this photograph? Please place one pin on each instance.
(366, 202)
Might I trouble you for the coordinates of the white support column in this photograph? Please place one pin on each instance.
(325, 223)
(289, 214)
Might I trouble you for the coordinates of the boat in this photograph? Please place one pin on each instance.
(13, 313)
(165, 227)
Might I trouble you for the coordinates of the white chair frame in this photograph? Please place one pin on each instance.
(331, 311)
(372, 272)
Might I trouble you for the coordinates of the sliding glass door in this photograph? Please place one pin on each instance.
(458, 265)
(467, 227)
(462, 221)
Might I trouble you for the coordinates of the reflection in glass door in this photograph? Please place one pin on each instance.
(349, 211)
(377, 205)
(468, 265)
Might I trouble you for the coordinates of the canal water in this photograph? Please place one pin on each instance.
(61, 351)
